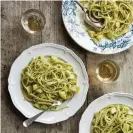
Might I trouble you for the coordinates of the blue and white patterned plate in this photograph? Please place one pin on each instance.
(74, 23)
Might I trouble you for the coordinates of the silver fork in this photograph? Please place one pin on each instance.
(29, 121)
(97, 24)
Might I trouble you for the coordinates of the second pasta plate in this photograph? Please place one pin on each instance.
(94, 119)
(47, 50)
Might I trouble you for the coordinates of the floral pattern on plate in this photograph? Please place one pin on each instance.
(74, 24)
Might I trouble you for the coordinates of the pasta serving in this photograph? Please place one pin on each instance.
(117, 16)
(44, 82)
(115, 118)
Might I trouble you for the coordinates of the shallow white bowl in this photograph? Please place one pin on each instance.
(15, 89)
(100, 103)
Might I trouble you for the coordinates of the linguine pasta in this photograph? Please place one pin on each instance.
(116, 15)
(44, 82)
(113, 119)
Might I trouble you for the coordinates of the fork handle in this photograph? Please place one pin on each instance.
(29, 121)
(80, 5)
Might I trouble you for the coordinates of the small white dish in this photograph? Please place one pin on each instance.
(100, 103)
(46, 49)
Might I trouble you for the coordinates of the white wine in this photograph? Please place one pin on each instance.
(33, 21)
(107, 71)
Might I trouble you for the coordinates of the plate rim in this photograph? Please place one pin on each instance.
(97, 99)
(99, 53)
(76, 58)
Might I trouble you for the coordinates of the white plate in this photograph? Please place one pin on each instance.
(47, 49)
(74, 23)
(100, 103)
